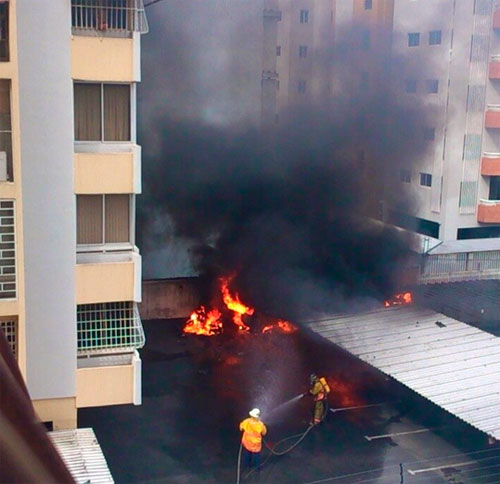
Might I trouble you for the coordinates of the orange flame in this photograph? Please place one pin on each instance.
(281, 325)
(399, 299)
(234, 304)
(201, 322)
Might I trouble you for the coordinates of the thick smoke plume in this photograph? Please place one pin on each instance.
(288, 209)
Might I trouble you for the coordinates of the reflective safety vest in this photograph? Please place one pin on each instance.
(320, 389)
(253, 430)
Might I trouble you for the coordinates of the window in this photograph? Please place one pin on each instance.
(405, 176)
(302, 50)
(435, 37)
(6, 172)
(472, 146)
(104, 327)
(468, 190)
(413, 39)
(103, 219)
(7, 250)
(278, 50)
(9, 326)
(365, 80)
(411, 85)
(429, 133)
(304, 16)
(494, 188)
(4, 31)
(431, 86)
(102, 112)
(479, 48)
(301, 87)
(482, 7)
(425, 179)
(365, 40)
(368, 4)
(475, 97)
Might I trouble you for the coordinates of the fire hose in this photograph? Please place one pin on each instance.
(272, 451)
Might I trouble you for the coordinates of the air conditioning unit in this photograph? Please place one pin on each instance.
(3, 166)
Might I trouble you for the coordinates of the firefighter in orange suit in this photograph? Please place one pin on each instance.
(319, 390)
(253, 430)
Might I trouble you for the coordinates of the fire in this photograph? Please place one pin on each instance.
(399, 299)
(281, 325)
(234, 304)
(201, 322)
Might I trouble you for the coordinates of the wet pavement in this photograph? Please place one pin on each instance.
(196, 390)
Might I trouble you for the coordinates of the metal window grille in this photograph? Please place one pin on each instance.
(468, 191)
(413, 39)
(304, 16)
(435, 37)
(482, 7)
(9, 328)
(109, 328)
(109, 15)
(475, 98)
(7, 250)
(479, 48)
(472, 147)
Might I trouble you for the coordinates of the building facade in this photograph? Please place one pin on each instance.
(447, 61)
(69, 174)
(450, 51)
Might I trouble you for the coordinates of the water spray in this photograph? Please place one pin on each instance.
(283, 405)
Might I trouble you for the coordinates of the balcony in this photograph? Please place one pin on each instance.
(108, 380)
(488, 211)
(116, 171)
(496, 20)
(492, 117)
(110, 18)
(108, 277)
(490, 164)
(494, 69)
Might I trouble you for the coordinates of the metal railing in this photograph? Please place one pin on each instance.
(109, 328)
(460, 267)
(114, 16)
(9, 328)
(7, 250)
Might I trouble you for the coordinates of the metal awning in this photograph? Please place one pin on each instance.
(452, 364)
(82, 455)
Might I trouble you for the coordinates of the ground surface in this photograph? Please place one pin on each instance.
(196, 390)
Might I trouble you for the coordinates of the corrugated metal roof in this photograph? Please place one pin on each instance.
(468, 245)
(452, 364)
(83, 456)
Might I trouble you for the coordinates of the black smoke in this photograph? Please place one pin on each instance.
(289, 209)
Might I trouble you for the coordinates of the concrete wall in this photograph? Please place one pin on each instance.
(49, 212)
(169, 298)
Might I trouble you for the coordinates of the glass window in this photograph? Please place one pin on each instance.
(413, 39)
(304, 16)
(4, 31)
(425, 179)
(6, 169)
(102, 112)
(405, 176)
(302, 50)
(435, 37)
(368, 4)
(411, 85)
(431, 86)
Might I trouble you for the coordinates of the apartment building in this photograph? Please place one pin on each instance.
(69, 174)
(450, 53)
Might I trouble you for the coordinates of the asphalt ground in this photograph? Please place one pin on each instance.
(197, 389)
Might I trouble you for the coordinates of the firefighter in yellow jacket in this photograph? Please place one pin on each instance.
(319, 390)
(253, 430)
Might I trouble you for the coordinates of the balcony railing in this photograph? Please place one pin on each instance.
(462, 266)
(109, 328)
(492, 117)
(490, 164)
(488, 211)
(113, 16)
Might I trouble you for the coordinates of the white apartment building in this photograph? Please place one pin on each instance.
(451, 64)
(70, 273)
